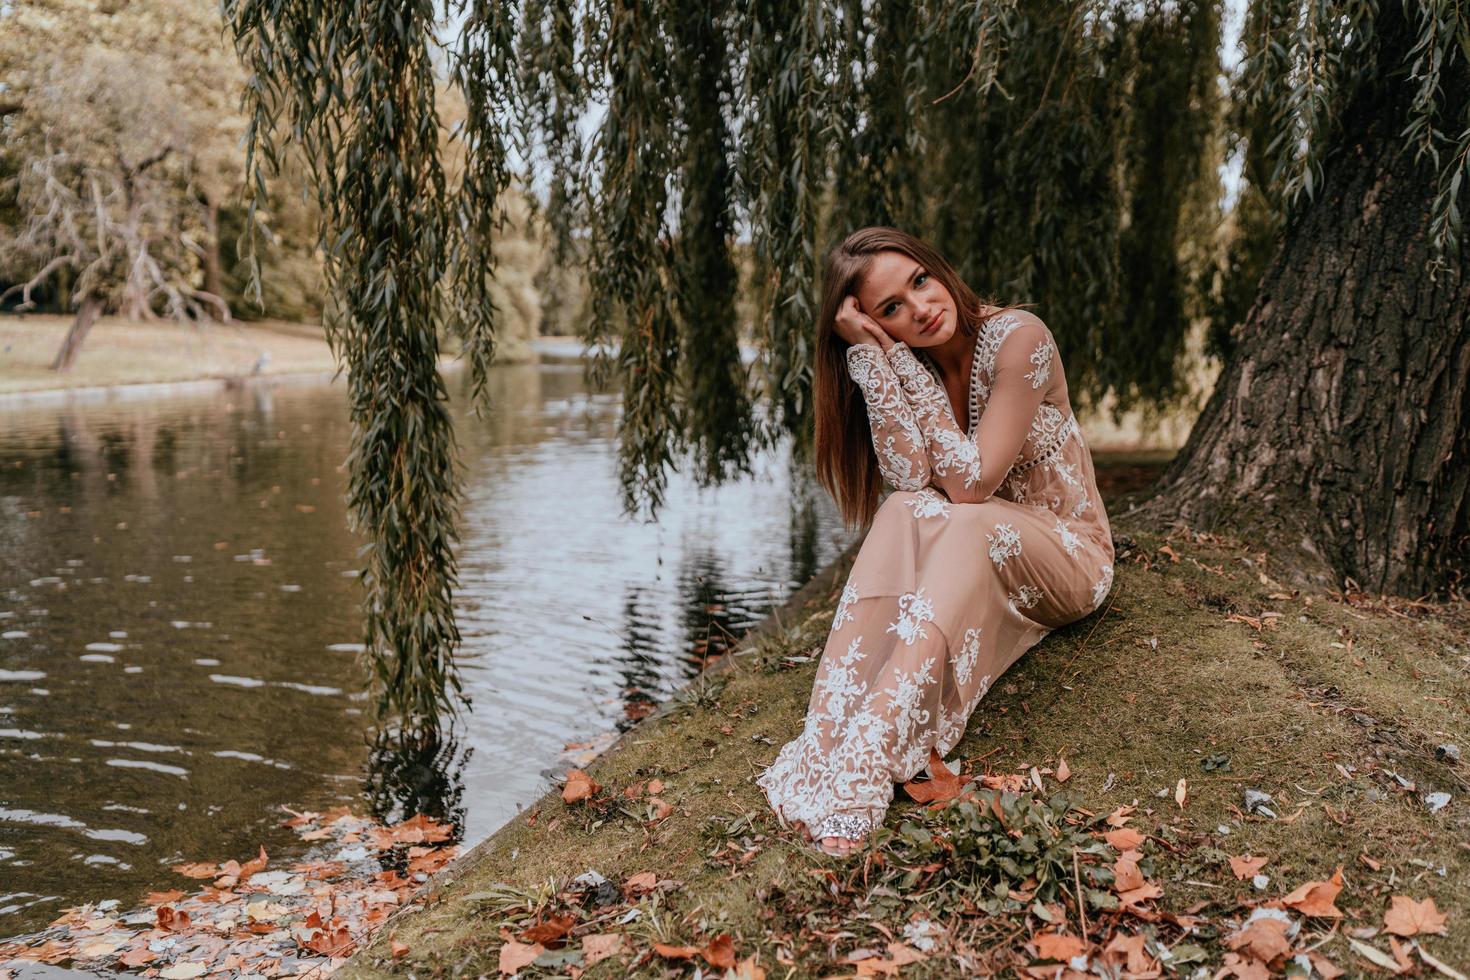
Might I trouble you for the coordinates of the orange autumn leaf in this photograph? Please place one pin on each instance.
(198, 869)
(163, 898)
(514, 955)
(1328, 969)
(399, 950)
(1264, 939)
(1407, 917)
(580, 786)
(1064, 772)
(640, 884)
(602, 945)
(1121, 815)
(1143, 893)
(1245, 866)
(252, 866)
(675, 952)
(720, 952)
(552, 930)
(1127, 875)
(945, 785)
(1132, 948)
(1124, 839)
(1055, 946)
(749, 969)
(172, 919)
(1316, 897)
(331, 942)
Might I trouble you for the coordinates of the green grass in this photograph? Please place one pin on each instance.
(1158, 687)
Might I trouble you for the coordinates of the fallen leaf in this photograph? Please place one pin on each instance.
(661, 808)
(1245, 866)
(580, 786)
(399, 950)
(141, 956)
(602, 945)
(1140, 894)
(514, 955)
(183, 971)
(172, 919)
(1407, 917)
(640, 884)
(1243, 968)
(1056, 946)
(1328, 969)
(1127, 875)
(1124, 839)
(1121, 815)
(655, 787)
(720, 952)
(1264, 939)
(748, 969)
(944, 785)
(551, 931)
(1181, 789)
(163, 898)
(1064, 772)
(252, 866)
(1316, 897)
(675, 952)
(197, 870)
(1137, 959)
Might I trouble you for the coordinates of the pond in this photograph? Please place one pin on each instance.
(179, 620)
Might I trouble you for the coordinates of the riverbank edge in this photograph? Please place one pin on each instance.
(1218, 667)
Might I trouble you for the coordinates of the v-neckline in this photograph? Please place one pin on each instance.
(972, 407)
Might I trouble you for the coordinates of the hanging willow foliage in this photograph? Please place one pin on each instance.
(1061, 152)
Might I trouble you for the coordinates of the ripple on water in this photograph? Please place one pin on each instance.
(179, 771)
(40, 819)
(21, 675)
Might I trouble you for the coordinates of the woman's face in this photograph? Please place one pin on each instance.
(907, 301)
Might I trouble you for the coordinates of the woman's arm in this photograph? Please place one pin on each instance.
(957, 462)
(897, 441)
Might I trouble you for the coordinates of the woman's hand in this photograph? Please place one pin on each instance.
(856, 327)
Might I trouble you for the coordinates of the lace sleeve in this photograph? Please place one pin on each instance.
(897, 440)
(954, 460)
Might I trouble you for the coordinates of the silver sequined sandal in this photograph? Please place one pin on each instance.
(848, 826)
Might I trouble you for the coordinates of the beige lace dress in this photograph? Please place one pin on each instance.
(945, 595)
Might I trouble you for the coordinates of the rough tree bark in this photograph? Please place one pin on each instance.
(1338, 430)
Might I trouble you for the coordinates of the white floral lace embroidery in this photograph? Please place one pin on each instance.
(1004, 543)
(913, 611)
(1041, 361)
(928, 503)
(889, 418)
(1070, 541)
(964, 664)
(1101, 587)
(1025, 597)
(950, 450)
(844, 613)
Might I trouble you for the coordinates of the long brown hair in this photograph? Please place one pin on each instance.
(846, 463)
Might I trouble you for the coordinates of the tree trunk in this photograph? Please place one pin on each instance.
(80, 327)
(213, 276)
(1338, 432)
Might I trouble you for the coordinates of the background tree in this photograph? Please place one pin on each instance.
(124, 149)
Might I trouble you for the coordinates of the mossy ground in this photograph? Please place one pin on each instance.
(1322, 706)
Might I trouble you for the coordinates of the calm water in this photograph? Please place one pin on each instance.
(179, 627)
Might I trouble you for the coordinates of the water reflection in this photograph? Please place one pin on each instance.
(180, 638)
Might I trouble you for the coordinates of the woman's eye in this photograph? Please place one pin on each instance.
(888, 310)
(921, 278)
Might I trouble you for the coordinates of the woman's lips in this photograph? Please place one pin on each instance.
(932, 325)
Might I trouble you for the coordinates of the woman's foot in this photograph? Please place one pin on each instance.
(840, 835)
(840, 846)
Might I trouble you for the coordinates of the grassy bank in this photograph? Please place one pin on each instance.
(121, 352)
(1202, 683)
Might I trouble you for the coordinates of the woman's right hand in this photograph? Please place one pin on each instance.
(856, 327)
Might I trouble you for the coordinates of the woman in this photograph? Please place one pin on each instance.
(994, 535)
